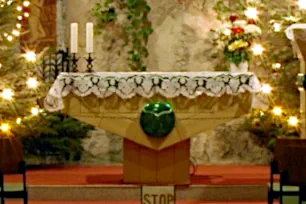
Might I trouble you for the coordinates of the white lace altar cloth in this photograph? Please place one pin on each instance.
(147, 84)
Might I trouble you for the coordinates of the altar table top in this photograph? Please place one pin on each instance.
(126, 85)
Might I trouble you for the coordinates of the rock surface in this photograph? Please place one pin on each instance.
(179, 42)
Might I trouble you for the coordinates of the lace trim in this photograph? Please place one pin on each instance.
(147, 84)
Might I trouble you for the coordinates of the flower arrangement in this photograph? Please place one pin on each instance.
(236, 37)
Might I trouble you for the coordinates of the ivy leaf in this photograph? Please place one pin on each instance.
(143, 68)
(136, 57)
(131, 3)
(148, 8)
(136, 23)
(147, 31)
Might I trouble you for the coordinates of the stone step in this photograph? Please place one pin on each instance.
(135, 202)
(132, 193)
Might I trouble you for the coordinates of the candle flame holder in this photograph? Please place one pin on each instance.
(74, 60)
(90, 60)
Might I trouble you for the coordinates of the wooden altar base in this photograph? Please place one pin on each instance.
(210, 183)
(169, 166)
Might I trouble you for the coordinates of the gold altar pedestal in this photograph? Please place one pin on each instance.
(150, 160)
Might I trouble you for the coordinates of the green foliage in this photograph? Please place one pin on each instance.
(7, 20)
(236, 56)
(44, 134)
(135, 33)
(268, 127)
(60, 138)
(278, 49)
(104, 13)
(139, 30)
(14, 74)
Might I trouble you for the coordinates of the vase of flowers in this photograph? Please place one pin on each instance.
(241, 67)
(235, 39)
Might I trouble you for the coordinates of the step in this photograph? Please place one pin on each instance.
(131, 192)
(133, 202)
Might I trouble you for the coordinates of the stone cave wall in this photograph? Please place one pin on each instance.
(180, 34)
(180, 42)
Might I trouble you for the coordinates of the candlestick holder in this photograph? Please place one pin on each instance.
(89, 63)
(74, 62)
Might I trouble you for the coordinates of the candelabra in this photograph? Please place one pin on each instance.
(89, 63)
(74, 62)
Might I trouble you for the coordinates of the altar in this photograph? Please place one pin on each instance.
(116, 101)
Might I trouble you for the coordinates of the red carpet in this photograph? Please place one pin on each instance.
(128, 202)
(206, 175)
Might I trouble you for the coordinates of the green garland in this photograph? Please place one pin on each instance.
(135, 33)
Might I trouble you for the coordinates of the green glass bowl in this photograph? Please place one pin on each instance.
(157, 119)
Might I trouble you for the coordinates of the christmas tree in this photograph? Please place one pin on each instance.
(254, 31)
(20, 89)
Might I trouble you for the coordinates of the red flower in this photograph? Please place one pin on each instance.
(237, 30)
(252, 21)
(233, 18)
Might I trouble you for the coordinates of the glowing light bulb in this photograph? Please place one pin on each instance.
(276, 65)
(302, 4)
(7, 94)
(251, 13)
(20, 18)
(16, 32)
(5, 127)
(18, 121)
(32, 83)
(26, 3)
(293, 121)
(35, 111)
(258, 49)
(26, 14)
(18, 25)
(266, 88)
(10, 38)
(19, 8)
(227, 32)
(277, 27)
(277, 111)
(0, 65)
(30, 56)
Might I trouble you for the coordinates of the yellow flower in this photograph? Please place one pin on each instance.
(237, 45)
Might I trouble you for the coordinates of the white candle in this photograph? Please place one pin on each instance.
(89, 37)
(74, 38)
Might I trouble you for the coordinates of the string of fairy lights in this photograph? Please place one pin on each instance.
(22, 11)
(8, 95)
(252, 13)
